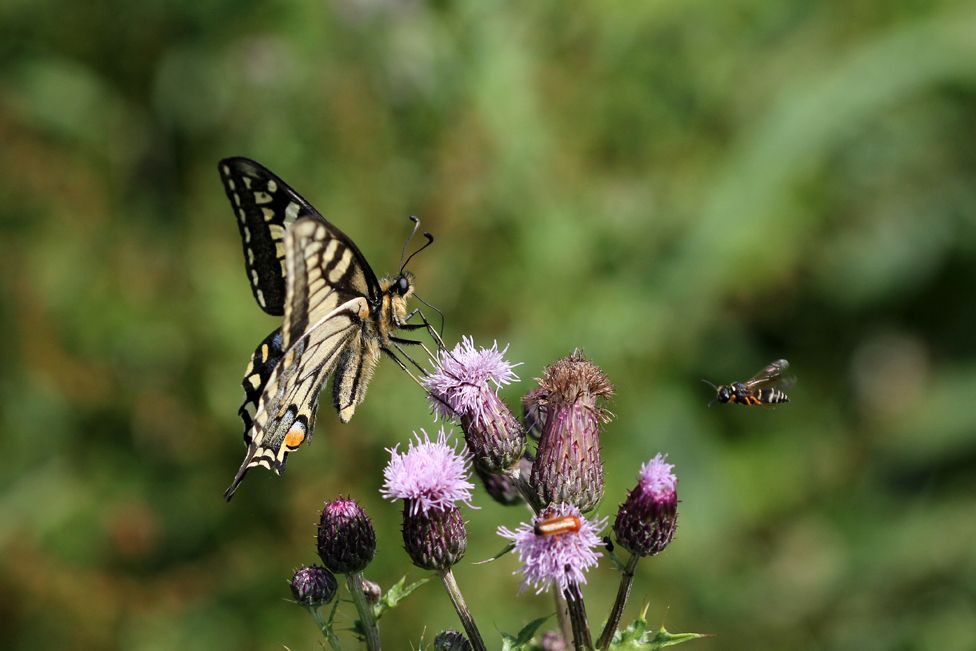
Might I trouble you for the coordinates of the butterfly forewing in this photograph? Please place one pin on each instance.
(264, 206)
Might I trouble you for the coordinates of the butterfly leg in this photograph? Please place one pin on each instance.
(412, 342)
(426, 324)
(399, 362)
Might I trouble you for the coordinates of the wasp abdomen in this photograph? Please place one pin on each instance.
(772, 396)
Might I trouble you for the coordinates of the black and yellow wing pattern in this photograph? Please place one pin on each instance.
(336, 315)
(264, 206)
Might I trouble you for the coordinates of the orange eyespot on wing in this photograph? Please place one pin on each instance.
(294, 437)
(556, 526)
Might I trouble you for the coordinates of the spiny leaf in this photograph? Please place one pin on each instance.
(397, 593)
(636, 637)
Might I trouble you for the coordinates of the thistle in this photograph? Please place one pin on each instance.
(430, 477)
(346, 540)
(313, 586)
(464, 387)
(451, 641)
(568, 467)
(646, 521)
(560, 560)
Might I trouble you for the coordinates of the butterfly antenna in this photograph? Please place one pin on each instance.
(430, 240)
(403, 253)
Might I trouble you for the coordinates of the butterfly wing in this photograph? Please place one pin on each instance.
(265, 206)
(327, 307)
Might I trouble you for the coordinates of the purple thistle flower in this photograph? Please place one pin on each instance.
(430, 474)
(557, 559)
(646, 521)
(464, 386)
(463, 374)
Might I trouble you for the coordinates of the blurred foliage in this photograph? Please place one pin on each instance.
(684, 189)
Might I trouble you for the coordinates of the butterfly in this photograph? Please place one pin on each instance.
(338, 319)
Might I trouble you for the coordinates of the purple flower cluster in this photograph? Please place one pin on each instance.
(430, 474)
(430, 478)
(464, 387)
(560, 559)
(463, 377)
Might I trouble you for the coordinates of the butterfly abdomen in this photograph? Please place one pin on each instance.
(353, 374)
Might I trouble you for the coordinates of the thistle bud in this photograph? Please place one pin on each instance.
(372, 591)
(464, 387)
(503, 487)
(435, 539)
(553, 641)
(346, 540)
(451, 641)
(313, 586)
(646, 521)
(568, 467)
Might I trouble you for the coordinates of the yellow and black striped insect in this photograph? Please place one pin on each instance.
(338, 318)
(767, 387)
(556, 526)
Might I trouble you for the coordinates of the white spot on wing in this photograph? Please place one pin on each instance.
(262, 197)
(268, 214)
(261, 300)
(272, 186)
(291, 212)
(247, 234)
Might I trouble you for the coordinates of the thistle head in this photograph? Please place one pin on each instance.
(313, 586)
(568, 467)
(434, 539)
(647, 519)
(430, 474)
(346, 540)
(464, 387)
(451, 641)
(556, 560)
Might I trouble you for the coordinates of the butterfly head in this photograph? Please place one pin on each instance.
(396, 292)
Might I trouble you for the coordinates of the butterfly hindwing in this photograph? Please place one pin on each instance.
(265, 206)
(259, 370)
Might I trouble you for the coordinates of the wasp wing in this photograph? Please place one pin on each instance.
(327, 284)
(772, 375)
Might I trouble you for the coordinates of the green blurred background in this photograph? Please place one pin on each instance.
(683, 189)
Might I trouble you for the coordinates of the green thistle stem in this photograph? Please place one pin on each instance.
(623, 593)
(326, 629)
(524, 489)
(562, 614)
(577, 615)
(354, 582)
(454, 591)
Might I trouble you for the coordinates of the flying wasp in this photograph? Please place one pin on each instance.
(767, 387)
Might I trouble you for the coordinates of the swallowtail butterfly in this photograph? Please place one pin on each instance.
(338, 318)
